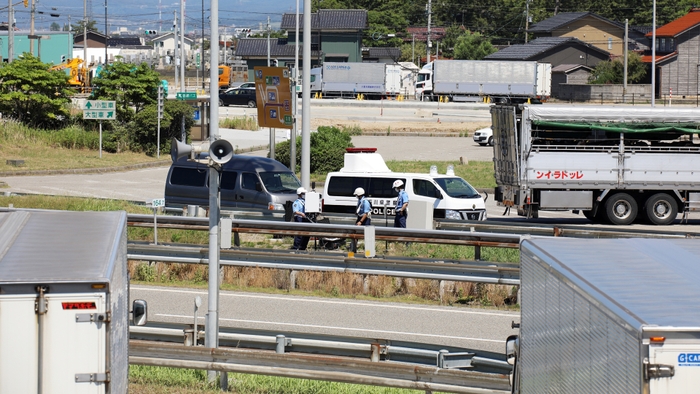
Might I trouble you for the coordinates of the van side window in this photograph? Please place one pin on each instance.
(381, 188)
(228, 180)
(248, 180)
(424, 188)
(346, 185)
(189, 176)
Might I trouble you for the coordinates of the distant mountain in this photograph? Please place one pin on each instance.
(139, 15)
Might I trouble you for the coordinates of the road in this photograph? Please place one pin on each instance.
(437, 325)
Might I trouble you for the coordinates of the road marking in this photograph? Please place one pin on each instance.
(365, 330)
(334, 302)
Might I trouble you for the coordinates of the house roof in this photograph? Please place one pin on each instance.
(124, 41)
(659, 58)
(565, 18)
(383, 52)
(538, 46)
(680, 25)
(328, 20)
(567, 68)
(250, 47)
(167, 35)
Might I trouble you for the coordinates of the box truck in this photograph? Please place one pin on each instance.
(615, 164)
(349, 79)
(607, 316)
(485, 80)
(64, 309)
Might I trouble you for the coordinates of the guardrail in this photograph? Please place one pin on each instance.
(318, 367)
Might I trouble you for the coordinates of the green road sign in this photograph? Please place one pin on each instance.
(99, 109)
(186, 95)
(198, 60)
(99, 104)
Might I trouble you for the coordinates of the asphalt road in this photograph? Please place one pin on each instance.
(436, 325)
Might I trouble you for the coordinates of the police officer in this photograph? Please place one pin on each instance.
(299, 208)
(401, 204)
(364, 209)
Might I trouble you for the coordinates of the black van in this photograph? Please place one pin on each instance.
(246, 182)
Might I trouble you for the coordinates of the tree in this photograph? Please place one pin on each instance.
(131, 86)
(32, 94)
(472, 46)
(55, 27)
(327, 150)
(613, 71)
(78, 26)
(144, 128)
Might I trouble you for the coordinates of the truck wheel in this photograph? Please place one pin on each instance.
(251, 104)
(621, 209)
(661, 209)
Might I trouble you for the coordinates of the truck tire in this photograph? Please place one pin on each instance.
(251, 103)
(621, 209)
(661, 209)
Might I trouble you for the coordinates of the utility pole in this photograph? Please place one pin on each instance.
(11, 32)
(183, 55)
(306, 99)
(268, 41)
(428, 43)
(653, 57)
(293, 133)
(85, 43)
(272, 130)
(202, 47)
(624, 48)
(527, 18)
(31, 26)
(106, 33)
(176, 50)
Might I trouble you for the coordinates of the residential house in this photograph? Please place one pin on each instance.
(569, 74)
(605, 34)
(420, 34)
(678, 56)
(388, 55)
(554, 50)
(164, 47)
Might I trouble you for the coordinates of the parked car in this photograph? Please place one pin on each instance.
(484, 136)
(238, 96)
(238, 85)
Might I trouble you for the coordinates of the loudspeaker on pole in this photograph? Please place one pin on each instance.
(179, 149)
(221, 151)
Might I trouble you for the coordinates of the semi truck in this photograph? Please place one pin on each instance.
(64, 302)
(613, 164)
(480, 80)
(349, 80)
(604, 316)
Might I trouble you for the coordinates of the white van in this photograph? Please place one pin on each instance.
(452, 197)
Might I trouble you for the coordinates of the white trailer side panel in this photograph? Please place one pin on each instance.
(484, 77)
(544, 79)
(72, 346)
(684, 356)
(579, 170)
(354, 77)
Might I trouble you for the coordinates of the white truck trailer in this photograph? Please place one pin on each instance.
(605, 316)
(479, 80)
(64, 302)
(349, 79)
(615, 164)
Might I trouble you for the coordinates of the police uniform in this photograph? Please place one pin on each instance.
(400, 218)
(364, 207)
(299, 205)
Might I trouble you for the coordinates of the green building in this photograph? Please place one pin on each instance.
(50, 46)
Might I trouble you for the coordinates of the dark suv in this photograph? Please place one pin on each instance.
(245, 96)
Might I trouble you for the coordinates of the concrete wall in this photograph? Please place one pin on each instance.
(604, 93)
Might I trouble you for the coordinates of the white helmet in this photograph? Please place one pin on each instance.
(397, 183)
(359, 192)
(301, 190)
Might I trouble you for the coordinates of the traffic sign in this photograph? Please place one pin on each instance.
(198, 60)
(158, 202)
(186, 95)
(274, 97)
(100, 110)
(99, 104)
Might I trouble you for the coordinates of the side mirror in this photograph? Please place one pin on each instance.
(140, 312)
(438, 194)
(258, 186)
(313, 185)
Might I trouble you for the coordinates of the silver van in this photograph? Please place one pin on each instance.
(246, 182)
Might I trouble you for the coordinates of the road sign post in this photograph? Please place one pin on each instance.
(186, 95)
(100, 110)
(160, 116)
(156, 203)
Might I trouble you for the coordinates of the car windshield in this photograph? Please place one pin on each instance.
(280, 182)
(457, 187)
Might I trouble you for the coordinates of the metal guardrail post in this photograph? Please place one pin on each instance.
(292, 279)
(376, 348)
(188, 336)
(441, 358)
(282, 343)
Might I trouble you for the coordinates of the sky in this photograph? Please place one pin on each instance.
(154, 14)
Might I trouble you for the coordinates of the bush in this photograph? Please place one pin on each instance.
(144, 127)
(327, 150)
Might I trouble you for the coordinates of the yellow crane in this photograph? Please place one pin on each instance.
(77, 74)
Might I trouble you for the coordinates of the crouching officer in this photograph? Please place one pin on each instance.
(299, 208)
(364, 208)
(401, 204)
